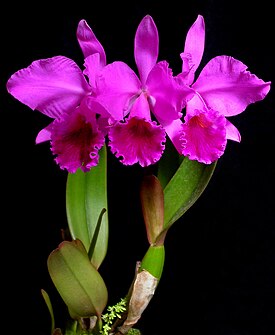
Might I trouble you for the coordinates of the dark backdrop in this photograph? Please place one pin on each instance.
(219, 274)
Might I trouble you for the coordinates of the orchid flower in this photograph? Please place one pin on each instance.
(223, 88)
(136, 137)
(57, 87)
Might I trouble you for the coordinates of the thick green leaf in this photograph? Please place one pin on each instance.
(86, 197)
(184, 188)
(77, 280)
(168, 164)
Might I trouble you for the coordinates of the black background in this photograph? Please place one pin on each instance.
(219, 274)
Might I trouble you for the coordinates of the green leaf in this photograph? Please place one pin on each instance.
(86, 197)
(169, 163)
(184, 188)
(50, 308)
(77, 280)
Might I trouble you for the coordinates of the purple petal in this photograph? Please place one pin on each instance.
(76, 140)
(92, 68)
(169, 97)
(194, 47)
(232, 133)
(137, 141)
(88, 42)
(228, 87)
(174, 130)
(53, 86)
(187, 75)
(195, 103)
(117, 84)
(104, 120)
(141, 108)
(146, 47)
(44, 134)
(204, 137)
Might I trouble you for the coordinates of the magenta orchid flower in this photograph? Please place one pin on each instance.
(58, 88)
(136, 137)
(223, 88)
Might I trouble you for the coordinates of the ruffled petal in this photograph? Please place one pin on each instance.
(204, 136)
(88, 42)
(146, 47)
(232, 133)
(76, 140)
(137, 141)
(117, 85)
(169, 97)
(53, 86)
(228, 87)
(194, 47)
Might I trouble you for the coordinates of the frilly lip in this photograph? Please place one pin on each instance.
(75, 141)
(137, 141)
(204, 136)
